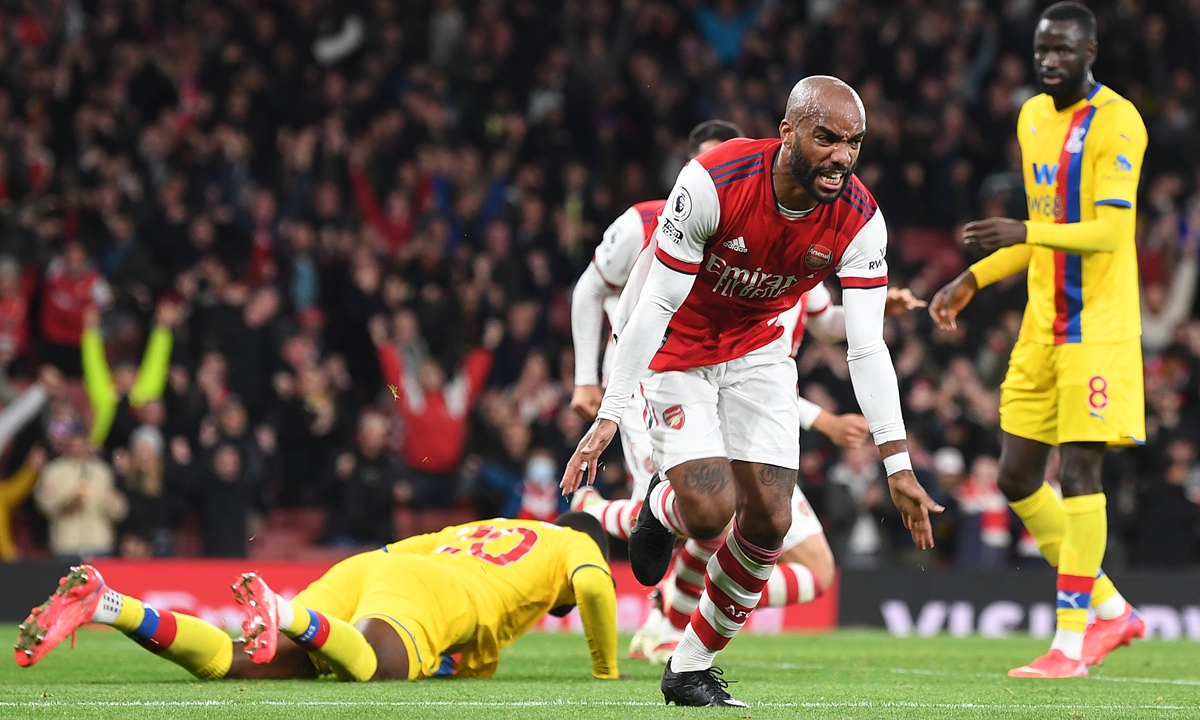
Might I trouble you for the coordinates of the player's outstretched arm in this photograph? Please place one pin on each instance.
(951, 299)
(1113, 223)
(829, 325)
(878, 393)
(901, 301)
(847, 431)
(1100, 235)
(597, 602)
(678, 247)
(587, 322)
(664, 292)
(864, 277)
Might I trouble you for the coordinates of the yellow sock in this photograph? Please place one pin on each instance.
(1045, 516)
(1046, 519)
(335, 641)
(1079, 558)
(203, 650)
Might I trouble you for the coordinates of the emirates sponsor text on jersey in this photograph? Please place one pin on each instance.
(733, 281)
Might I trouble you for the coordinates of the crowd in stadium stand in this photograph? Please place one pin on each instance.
(301, 268)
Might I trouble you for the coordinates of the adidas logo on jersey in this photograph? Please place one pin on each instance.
(738, 244)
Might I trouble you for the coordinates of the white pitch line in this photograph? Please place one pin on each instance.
(950, 673)
(574, 703)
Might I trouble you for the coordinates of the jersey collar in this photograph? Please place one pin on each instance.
(1080, 104)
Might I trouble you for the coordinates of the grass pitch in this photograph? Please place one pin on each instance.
(847, 674)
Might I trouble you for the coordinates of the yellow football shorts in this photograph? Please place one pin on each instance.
(1075, 393)
(427, 605)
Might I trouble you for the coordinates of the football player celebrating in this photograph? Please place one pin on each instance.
(390, 614)
(748, 228)
(1075, 376)
(806, 566)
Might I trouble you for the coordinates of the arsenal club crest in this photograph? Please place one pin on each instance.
(818, 257)
(673, 417)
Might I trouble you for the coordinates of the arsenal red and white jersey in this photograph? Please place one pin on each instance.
(624, 239)
(722, 224)
(619, 248)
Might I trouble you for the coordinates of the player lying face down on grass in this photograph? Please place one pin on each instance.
(397, 613)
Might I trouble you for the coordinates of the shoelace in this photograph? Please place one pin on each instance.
(715, 674)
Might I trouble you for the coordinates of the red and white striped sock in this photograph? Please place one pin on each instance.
(733, 583)
(665, 508)
(688, 577)
(791, 584)
(616, 516)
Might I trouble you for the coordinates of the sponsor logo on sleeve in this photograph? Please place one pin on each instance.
(681, 206)
(670, 231)
(1122, 164)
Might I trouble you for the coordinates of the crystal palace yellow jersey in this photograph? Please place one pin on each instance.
(1074, 160)
(522, 569)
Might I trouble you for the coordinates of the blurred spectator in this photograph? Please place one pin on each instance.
(362, 488)
(984, 535)
(540, 496)
(1168, 519)
(149, 483)
(13, 492)
(314, 420)
(70, 287)
(19, 411)
(77, 495)
(224, 497)
(1165, 307)
(725, 25)
(116, 397)
(854, 500)
(435, 413)
(14, 311)
(502, 481)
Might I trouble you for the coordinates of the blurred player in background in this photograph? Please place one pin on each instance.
(1075, 376)
(390, 614)
(749, 228)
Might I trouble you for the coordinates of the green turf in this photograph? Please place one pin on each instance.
(848, 674)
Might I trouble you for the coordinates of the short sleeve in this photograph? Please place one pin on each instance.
(864, 264)
(619, 249)
(1120, 147)
(688, 220)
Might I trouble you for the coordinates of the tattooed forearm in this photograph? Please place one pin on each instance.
(708, 477)
(775, 476)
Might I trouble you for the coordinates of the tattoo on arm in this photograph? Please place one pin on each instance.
(709, 478)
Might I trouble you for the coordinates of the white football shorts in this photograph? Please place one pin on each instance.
(744, 409)
(804, 521)
(635, 442)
